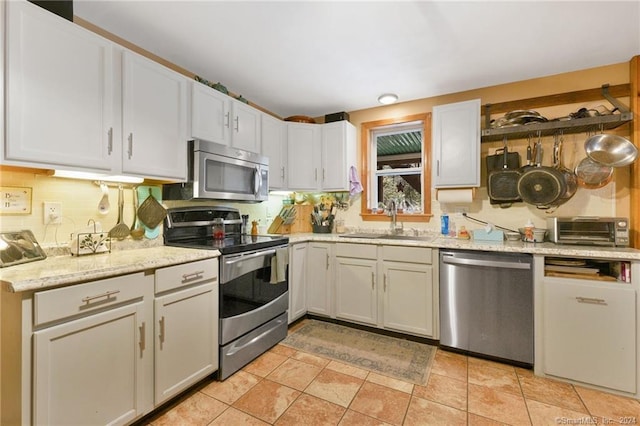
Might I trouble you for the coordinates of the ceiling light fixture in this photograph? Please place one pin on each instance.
(387, 98)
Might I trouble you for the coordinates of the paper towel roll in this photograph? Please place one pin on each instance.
(455, 196)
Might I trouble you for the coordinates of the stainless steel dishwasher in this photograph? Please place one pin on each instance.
(486, 304)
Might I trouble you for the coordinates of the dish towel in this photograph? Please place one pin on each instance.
(279, 264)
(355, 187)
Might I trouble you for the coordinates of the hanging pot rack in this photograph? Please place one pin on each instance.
(577, 125)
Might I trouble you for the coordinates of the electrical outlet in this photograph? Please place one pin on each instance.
(52, 213)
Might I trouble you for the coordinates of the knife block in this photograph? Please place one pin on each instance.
(301, 224)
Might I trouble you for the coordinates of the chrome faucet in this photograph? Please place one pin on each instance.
(392, 211)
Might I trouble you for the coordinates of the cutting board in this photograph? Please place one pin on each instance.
(143, 193)
(580, 276)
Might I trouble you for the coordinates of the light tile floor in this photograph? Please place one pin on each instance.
(289, 387)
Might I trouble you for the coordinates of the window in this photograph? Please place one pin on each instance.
(396, 166)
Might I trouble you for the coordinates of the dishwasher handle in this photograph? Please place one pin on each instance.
(452, 260)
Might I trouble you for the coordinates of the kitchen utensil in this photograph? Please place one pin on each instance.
(611, 150)
(151, 212)
(137, 231)
(143, 192)
(541, 186)
(570, 179)
(120, 231)
(593, 175)
(103, 205)
(503, 184)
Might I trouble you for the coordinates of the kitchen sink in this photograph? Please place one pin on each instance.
(389, 237)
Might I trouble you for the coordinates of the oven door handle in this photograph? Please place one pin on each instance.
(236, 266)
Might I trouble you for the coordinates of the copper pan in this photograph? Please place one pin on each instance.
(593, 175)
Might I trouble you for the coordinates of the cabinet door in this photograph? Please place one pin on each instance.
(154, 119)
(356, 290)
(338, 155)
(90, 371)
(245, 127)
(210, 114)
(59, 91)
(274, 147)
(297, 281)
(589, 333)
(186, 339)
(408, 301)
(319, 278)
(303, 145)
(456, 144)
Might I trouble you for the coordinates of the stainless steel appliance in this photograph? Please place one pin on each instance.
(486, 304)
(218, 172)
(254, 289)
(594, 231)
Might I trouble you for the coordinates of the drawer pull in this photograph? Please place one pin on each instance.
(591, 300)
(161, 336)
(192, 276)
(106, 294)
(143, 342)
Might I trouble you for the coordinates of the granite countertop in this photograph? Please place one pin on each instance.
(66, 269)
(437, 241)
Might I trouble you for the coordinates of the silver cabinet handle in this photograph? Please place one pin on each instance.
(130, 151)
(237, 120)
(226, 120)
(282, 174)
(373, 281)
(143, 342)
(327, 260)
(106, 294)
(316, 174)
(384, 281)
(161, 330)
(591, 300)
(437, 167)
(110, 141)
(323, 176)
(192, 276)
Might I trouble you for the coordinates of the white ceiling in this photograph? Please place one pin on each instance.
(318, 57)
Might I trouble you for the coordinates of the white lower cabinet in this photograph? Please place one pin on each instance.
(319, 278)
(92, 353)
(186, 326)
(391, 287)
(590, 333)
(297, 281)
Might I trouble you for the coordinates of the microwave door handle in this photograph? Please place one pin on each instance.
(257, 181)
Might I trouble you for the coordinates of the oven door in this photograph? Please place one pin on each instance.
(253, 290)
(220, 177)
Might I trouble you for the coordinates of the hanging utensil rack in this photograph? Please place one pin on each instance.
(576, 125)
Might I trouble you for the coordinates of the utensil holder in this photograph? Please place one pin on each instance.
(321, 229)
(91, 243)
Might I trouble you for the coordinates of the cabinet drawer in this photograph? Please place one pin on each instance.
(53, 305)
(186, 274)
(406, 254)
(360, 251)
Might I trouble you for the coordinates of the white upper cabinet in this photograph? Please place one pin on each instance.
(274, 147)
(59, 92)
(456, 145)
(210, 114)
(320, 155)
(154, 119)
(219, 118)
(338, 155)
(304, 150)
(245, 126)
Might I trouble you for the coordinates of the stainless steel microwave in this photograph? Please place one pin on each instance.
(596, 231)
(219, 172)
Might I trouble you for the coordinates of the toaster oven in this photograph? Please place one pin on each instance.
(586, 230)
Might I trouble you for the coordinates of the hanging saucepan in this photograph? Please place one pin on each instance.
(502, 184)
(541, 186)
(593, 175)
(611, 150)
(570, 179)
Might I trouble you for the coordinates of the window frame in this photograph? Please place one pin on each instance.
(366, 169)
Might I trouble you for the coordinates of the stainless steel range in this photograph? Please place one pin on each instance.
(254, 289)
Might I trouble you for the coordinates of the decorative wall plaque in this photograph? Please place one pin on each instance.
(15, 200)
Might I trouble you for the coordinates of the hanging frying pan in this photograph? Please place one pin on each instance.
(541, 186)
(570, 179)
(593, 175)
(502, 184)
